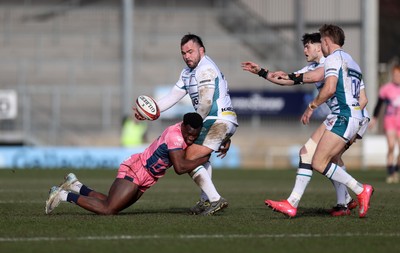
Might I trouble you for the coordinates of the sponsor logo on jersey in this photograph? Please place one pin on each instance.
(227, 109)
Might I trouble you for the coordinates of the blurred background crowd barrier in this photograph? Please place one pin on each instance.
(71, 70)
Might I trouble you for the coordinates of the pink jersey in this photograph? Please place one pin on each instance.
(155, 158)
(390, 93)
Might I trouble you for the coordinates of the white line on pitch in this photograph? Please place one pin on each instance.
(21, 201)
(188, 237)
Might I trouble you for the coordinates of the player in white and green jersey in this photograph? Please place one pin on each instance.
(342, 92)
(312, 73)
(209, 92)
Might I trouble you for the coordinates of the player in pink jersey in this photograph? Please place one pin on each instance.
(389, 94)
(137, 173)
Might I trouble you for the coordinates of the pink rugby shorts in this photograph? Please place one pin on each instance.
(133, 170)
(392, 123)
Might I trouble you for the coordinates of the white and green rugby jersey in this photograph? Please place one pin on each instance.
(207, 74)
(312, 66)
(345, 100)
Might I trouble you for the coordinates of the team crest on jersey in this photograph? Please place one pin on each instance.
(178, 142)
(330, 122)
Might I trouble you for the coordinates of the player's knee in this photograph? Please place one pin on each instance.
(105, 208)
(108, 211)
(307, 151)
(302, 151)
(338, 160)
(317, 166)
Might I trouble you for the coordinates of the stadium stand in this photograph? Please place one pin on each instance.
(64, 60)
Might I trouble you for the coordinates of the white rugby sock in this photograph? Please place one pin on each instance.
(341, 191)
(63, 195)
(303, 177)
(208, 167)
(348, 197)
(203, 180)
(335, 172)
(76, 186)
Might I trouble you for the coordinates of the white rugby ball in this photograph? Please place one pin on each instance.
(147, 107)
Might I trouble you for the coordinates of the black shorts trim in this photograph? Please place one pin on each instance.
(128, 178)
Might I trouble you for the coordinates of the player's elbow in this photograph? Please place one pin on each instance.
(179, 170)
(331, 92)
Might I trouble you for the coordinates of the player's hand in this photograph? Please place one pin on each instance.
(305, 118)
(137, 115)
(223, 149)
(280, 75)
(372, 123)
(251, 67)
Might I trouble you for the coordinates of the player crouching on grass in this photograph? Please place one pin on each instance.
(137, 173)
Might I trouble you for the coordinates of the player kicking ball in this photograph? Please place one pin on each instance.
(137, 173)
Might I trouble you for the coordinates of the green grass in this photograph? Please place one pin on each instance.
(159, 221)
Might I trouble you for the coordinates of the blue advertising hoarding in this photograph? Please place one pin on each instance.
(252, 103)
(273, 103)
(86, 157)
(267, 103)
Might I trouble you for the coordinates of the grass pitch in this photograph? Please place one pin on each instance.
(159, 222)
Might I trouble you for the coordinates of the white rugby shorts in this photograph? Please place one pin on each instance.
(215, 132)
(345, 127)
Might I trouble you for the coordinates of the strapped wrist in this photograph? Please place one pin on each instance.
(297, 78)
(312, 106)
(263, 73)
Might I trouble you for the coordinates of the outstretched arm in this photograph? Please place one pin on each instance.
(284, 79)
(173, 97)
(166, 102)
(274, 77)
(251, 67)
(313, 76)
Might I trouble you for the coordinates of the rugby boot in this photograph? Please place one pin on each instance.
(364, 199)
(215, 206)
(282, 206)
(200, 206)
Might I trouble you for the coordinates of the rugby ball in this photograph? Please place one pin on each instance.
(147, 107)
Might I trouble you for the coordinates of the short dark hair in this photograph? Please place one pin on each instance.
(311, 38)
(334, 32)
(193, 119)
(192, 37)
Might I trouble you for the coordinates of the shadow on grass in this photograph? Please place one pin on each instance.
(307, 212)
(172, 210)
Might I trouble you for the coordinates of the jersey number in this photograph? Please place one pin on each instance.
(355, 87)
